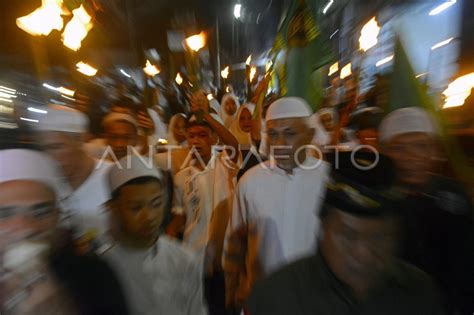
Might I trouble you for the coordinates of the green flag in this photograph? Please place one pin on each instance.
(405, 90)
(305, 52)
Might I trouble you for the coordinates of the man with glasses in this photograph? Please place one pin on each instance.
(438, 213)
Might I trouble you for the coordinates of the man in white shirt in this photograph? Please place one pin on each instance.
(159, 275)
(274, 217)
(61, 134)
(203, 193)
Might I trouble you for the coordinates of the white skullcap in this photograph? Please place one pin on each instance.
(406, 120)
(113, 117)
(288, 107)
(64, 119)
(215, 116)
(132, 167)
(23, 164)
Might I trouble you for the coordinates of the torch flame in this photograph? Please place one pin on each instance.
(151, 69)
(179, 79)
(43, 20)
(249, 60)
(225, 72)
(368, 35)
(459, 90)
(196, 42)
(76, 30)
(253, 72)
(86, 69)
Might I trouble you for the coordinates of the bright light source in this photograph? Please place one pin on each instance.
(125, 73)
(384, 61)
(43, 20)
(29, 120)
(77, 28)
(443, 43)
(151, 69)
(333, 69)
(65, 91)
(368, 35)
(6, 109)
(196, 42)
(6, 100)
(225, 73)
(346, 71)
(37, 110)
(227, 89)
(68, 98)
(7, 95)
(333, 34)
(210, 97)
(61, 89)
(328, 5)
(421, 75)
(190, 84)
(237, 11)
(86, 69)
(162, 141)
(179, 79)
(253, 72)
(459, 90)
(8, 125)
(442, 7)
(8, 90)
(249, 60)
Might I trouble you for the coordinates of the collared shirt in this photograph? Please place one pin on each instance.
(274, 219)
(200, 194)
(84, 208)
(164, 279)
(309, 287)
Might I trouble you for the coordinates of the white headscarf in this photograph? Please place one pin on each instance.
(226, 118)
(244, 138)
(173, 121)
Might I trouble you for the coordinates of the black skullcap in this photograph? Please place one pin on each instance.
(362, 183)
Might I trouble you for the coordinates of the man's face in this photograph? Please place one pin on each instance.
(358, 250)
(245, 120)
(200, 137)
(65, 148)
(139, 211)
(120, 135)
(229, 106)
(293, 133)
(27, 211)
(411, 153)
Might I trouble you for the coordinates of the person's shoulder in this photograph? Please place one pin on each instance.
(292, 281)
(255, 173)
(416, 282)
(180, 257)
(451, 196)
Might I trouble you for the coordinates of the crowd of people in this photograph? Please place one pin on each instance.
(259, 208)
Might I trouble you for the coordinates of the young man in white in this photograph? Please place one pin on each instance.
(62, 133)
(274, 217)
(158, 275)
(203, 193)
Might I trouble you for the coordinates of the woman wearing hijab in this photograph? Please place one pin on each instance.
(177, 130)
(229, 106)
(247, 131)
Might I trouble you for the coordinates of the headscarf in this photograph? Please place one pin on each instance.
(173, 121)
(226, 118)
(244, 138)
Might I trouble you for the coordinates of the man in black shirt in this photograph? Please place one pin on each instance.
(355, 270)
